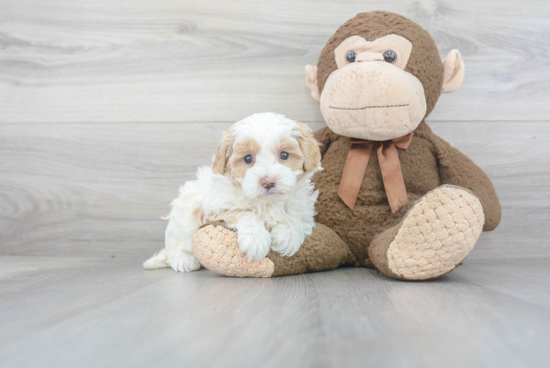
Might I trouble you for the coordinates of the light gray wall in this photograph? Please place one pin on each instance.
(106, 107)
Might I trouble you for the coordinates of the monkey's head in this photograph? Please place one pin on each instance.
(380, 75)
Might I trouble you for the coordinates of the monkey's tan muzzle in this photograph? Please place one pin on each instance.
(373, 100)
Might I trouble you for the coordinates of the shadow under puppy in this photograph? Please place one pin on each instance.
(259, 184)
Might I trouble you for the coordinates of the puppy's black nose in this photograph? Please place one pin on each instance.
(267, 183)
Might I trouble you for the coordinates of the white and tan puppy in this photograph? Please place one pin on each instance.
(259, 184)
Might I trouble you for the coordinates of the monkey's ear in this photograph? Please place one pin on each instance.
(311, 81)
(224, 151)
(453, 71)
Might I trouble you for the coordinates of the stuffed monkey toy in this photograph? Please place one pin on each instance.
(392, 195)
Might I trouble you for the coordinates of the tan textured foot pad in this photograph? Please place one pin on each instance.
(217, 249)
(436, 235)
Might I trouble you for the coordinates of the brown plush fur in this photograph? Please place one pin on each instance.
(321, 251)
(428, 163)
(379, 248)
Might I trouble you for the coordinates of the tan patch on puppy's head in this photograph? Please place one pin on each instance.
(295, 158)
(309, 147)
(224, 151)
(236, 165)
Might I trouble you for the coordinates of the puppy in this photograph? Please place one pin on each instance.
(259, 184)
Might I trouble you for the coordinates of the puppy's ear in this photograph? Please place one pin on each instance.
(224, 151)
(309, 147)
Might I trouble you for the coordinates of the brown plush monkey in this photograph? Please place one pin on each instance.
(393, 195)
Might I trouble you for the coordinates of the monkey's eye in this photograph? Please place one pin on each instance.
(248, 159)
(350, 56)
(390, 56)
(284, 155)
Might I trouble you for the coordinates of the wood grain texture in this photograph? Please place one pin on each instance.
(100, 189)
(91, 312)
(216, 60)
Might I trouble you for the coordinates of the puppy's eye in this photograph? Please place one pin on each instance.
(390, 56)
(350, 56)
(284, 155)
(248, 159)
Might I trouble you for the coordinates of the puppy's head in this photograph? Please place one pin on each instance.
(267, 154)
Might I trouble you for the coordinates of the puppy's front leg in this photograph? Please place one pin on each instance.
(287, 238)
(254, 239)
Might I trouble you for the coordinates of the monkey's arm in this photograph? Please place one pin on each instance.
(457, 169)
(325, 136)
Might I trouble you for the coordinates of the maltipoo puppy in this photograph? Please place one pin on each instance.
(259, 184)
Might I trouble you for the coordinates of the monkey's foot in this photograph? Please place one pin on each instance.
(433, 238)
(217, 248)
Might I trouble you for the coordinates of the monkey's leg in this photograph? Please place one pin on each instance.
(217, 249)
(433, 238)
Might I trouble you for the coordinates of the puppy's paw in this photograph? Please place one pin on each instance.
(254, 241)
(184, 263)
(285, 240)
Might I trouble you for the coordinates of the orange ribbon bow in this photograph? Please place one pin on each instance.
(392, 176)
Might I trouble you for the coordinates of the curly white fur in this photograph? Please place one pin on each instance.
(277, 218)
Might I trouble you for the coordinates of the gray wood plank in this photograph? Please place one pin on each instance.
(174, 61)
(531, 284)
(93, 312)
(100, 189)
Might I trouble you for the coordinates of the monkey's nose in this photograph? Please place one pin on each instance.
(267, 183)
(369, 56)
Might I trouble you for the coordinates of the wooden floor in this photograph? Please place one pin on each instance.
(101, 312)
